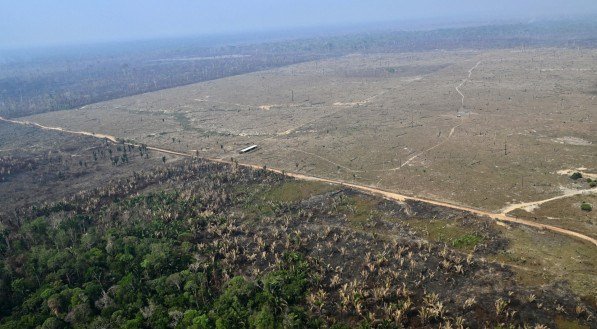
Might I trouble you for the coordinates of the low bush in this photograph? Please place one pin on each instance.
(576, 176)
(467, 240)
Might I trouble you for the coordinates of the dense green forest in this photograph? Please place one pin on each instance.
(201, 245)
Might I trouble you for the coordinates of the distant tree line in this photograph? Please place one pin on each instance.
(57, 82)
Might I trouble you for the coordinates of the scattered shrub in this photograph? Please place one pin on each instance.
(576, 175)
(586, 206)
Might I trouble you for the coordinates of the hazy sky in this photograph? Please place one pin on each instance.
(25, 23)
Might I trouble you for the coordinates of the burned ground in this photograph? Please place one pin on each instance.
(335, 255)
(38, 166)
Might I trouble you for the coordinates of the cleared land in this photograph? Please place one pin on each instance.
(395, 121)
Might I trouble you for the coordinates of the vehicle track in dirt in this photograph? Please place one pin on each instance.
(467, 79)
(566, 193)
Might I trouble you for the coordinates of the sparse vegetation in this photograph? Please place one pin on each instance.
(309, 136)
(586, 206)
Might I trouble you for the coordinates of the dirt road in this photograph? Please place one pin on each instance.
(367, 189)
(532, 204)
(84, 133)
(470, 72)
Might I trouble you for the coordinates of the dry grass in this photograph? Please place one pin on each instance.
(353, 119)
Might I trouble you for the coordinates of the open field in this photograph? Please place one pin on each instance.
(481, 128)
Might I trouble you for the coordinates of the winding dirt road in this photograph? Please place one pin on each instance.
(364, 188)
(470, 72)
